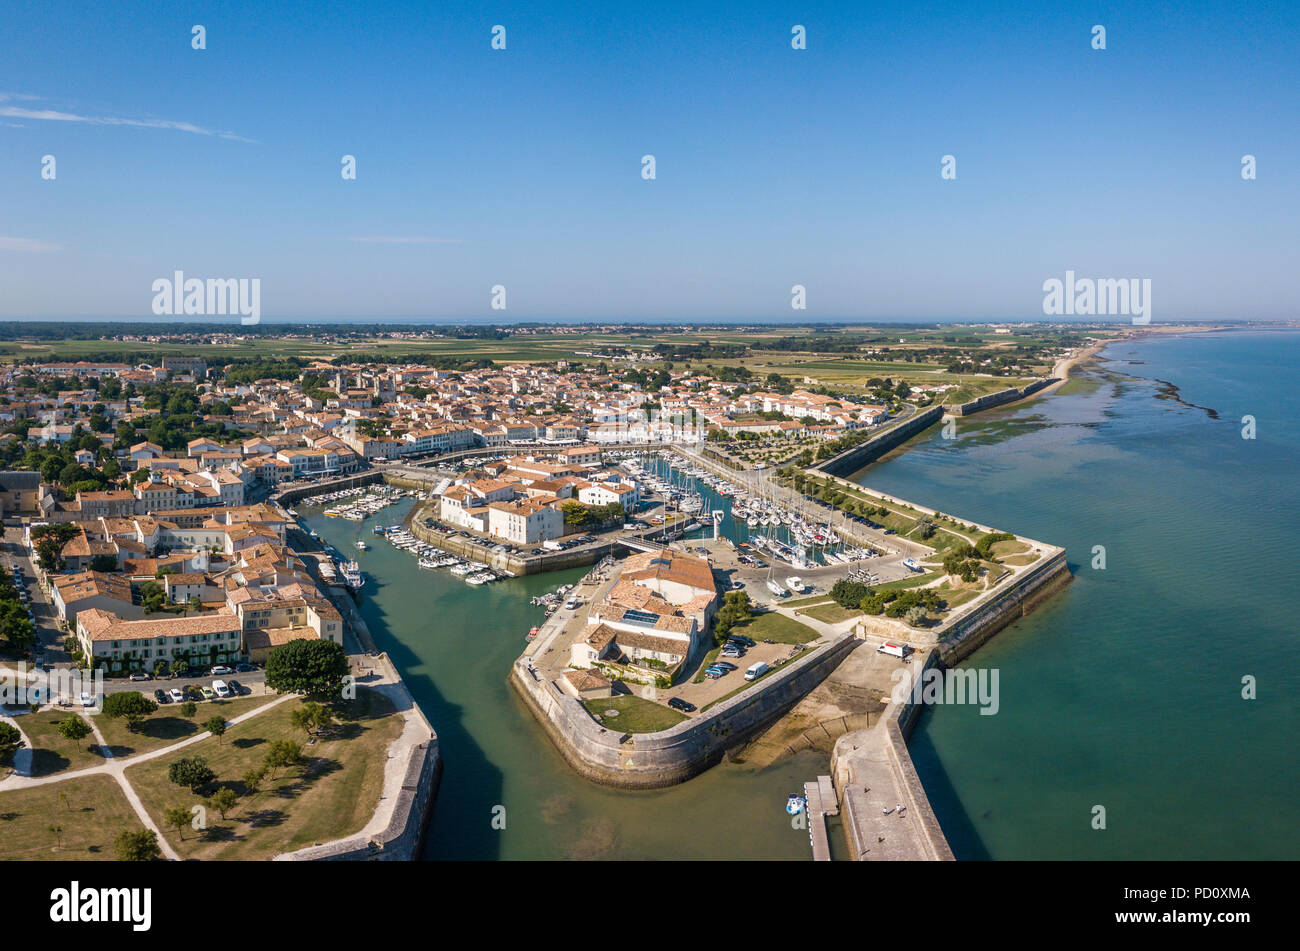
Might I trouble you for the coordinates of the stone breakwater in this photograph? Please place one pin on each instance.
(1000, 398)
(650, 760)
(867, 452)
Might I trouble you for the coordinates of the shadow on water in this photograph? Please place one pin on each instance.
(468, 775)
(957, 826)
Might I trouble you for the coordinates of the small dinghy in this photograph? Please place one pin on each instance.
(794, 805)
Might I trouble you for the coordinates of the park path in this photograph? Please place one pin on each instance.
(116, 767)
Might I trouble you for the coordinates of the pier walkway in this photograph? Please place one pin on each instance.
(820, 802)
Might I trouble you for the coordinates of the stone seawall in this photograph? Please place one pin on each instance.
(1000, 398)
(650, 760)
(1029, 590)
(865, 453)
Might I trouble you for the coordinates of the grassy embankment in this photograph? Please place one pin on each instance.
(332, 794)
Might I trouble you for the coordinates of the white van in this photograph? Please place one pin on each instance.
(756, 670)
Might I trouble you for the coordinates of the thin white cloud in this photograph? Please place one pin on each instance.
(54, 115)
(32, 245)
(399, 239)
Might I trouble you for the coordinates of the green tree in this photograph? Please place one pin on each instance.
(315, 669)
(189, 708)
(11, 741)
(72, 727)
(177, 817)
(130, 705)
(312, 718)
(216, 726)
(223, 800)
(141, 846)
(192, 772)
(253, 777)
(282, 754)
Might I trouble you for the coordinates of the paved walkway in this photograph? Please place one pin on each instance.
(116, 767)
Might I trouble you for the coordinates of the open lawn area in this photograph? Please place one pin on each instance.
(167, 726)
(51, 753)
(800, 602)
(91, 815)
(776, 627)
(831, 613)
(332, 794)
(632, 714)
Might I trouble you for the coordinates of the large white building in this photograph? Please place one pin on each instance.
(525, 522)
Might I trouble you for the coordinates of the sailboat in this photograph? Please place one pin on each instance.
(773, 585)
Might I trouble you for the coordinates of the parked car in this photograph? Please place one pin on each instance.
(139, 675)
(245, 668)
(87, 700)
(221, 669)
(719, 671)
(724, 665)
(220, 689)
(741, 639)
(677, 703)
(208, 693)
(236, 688)
(162, 696)
(176, 695)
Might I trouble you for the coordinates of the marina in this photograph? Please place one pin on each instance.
(452, 642)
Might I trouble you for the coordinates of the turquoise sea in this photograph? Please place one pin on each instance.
(1125, 691)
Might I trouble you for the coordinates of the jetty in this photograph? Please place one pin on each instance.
(820, 802)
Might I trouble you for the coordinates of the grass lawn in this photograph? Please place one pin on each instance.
(902, 584)
(1010, 547)
(956, 597)
(167, 726)
(995, 574)
(831, 613)
(799, 602)
(635, 715)
(51, 753)
(92, 815)
(776, 627)
(332, 795)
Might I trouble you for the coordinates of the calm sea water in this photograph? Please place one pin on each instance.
(1125, 691)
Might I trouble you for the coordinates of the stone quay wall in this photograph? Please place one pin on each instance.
(865, 453)
(651, 760)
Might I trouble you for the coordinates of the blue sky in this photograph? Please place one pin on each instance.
(522, 167)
